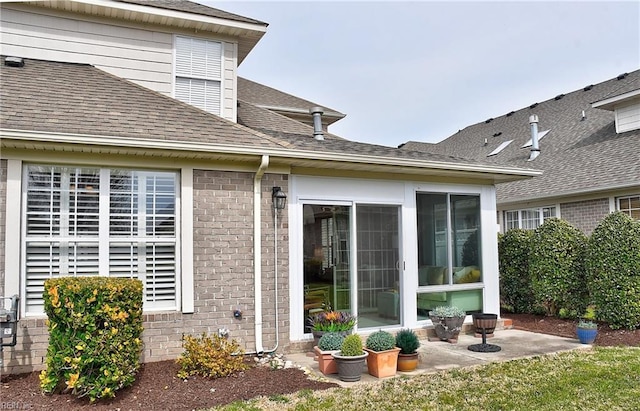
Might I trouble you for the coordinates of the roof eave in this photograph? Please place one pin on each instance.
(612, 102)
(301, 158)
(248, 34)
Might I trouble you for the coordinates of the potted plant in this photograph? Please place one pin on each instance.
(447, 322)
(350, 358)
(383, 354)
(587, 329)
(340, 322)
(407, 341)
(328, 344)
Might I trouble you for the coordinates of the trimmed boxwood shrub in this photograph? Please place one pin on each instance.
(516, 292)
(95, 326)
(556, 267)
(613, 270)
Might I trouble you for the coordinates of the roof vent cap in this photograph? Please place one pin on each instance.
(621, 76)
(534, 105)
(558, 97)
(587, 88)
(14, 62)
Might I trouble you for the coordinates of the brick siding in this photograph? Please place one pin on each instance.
(223, 275)
(585, 215)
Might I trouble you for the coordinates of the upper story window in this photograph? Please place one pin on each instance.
(199, 73)
(83, 221)
(629, 205)
(528, 219)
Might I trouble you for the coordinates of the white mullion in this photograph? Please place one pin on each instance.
(104, 218)
(142, 229)
(449, 240)
(64, 218)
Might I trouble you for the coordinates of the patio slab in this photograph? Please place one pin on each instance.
(440, 355)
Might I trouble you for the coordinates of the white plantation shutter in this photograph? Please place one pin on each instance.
(199, 73)
(65, 234)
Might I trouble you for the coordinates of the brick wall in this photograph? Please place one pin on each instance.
(223, 276)
(585, 215)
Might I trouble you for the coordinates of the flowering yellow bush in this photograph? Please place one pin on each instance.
(95, 325)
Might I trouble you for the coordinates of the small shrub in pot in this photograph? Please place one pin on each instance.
(351, 346)
(380, 341)
(330, 342)
(407, 341)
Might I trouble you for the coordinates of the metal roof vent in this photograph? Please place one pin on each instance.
(14, 62)
(317, 112)
(535, 148)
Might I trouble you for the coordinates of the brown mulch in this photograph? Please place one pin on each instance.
(158, 388)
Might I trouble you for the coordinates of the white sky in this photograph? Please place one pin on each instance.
(421, 71)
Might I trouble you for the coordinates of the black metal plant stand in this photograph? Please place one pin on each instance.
(484, 347)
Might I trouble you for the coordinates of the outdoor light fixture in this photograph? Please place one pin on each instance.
(279, 198)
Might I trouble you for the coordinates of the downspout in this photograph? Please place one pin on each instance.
(257, 250)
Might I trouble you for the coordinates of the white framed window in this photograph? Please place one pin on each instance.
(198, 73)
(83, 221)
(629, 205)
(528, 219)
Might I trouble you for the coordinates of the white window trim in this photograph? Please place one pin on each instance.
(625, 197)
(219, 79)
(15, 284)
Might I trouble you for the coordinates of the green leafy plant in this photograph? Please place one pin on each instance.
(613, 270)
(446, 311)
(330, 342)
(332, 321)
(516, 292)
(588, 324)
(380, 341)
(407, 340)
(556, 267)
(351, 346)
(95, 329)
(210, 356)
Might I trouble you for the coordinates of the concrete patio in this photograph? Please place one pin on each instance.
(440, 355)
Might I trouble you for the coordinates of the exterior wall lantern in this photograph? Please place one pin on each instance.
(279, 198)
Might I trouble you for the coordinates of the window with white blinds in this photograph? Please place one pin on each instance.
(86, 221)
(528, 219)
(199, 73)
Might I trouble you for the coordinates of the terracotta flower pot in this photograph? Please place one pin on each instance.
(326, 362)
(383, 364)
(408, 362)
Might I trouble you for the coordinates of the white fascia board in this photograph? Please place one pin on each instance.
(176, 14)
(402, 163)
(611, 102)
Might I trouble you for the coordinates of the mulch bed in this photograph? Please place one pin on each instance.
(158, 388)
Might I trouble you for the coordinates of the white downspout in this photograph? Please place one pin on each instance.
(257, 250)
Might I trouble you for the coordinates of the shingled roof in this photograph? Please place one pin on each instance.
(45, 103)
(578, 154)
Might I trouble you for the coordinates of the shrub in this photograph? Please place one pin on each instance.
(445, 311)
(351, 346)
(516, 291)
(556, 267)
(330, 342)
(613, 270)
(95, 325)
(211, 357)
(407, 340)
(380, 341)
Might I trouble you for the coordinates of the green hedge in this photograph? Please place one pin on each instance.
(556, 267)
(613, 270)
(516, 292)
(95, 328)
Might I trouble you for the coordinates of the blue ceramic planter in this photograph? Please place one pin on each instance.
(587, 335)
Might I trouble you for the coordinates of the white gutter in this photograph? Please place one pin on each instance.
(257, 250)
(121, 142)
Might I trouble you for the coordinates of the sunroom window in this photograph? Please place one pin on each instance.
(82, 221)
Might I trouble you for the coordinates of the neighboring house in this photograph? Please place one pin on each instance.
(589, 142)
(130, 148)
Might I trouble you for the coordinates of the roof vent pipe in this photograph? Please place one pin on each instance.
(317, 112)
(535, 147)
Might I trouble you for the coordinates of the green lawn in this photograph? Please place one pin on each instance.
(598, 379)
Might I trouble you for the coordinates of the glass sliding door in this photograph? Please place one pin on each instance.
(378, 254)
(326, 248)
(449, 263)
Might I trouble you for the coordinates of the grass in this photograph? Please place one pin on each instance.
(597, 379)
